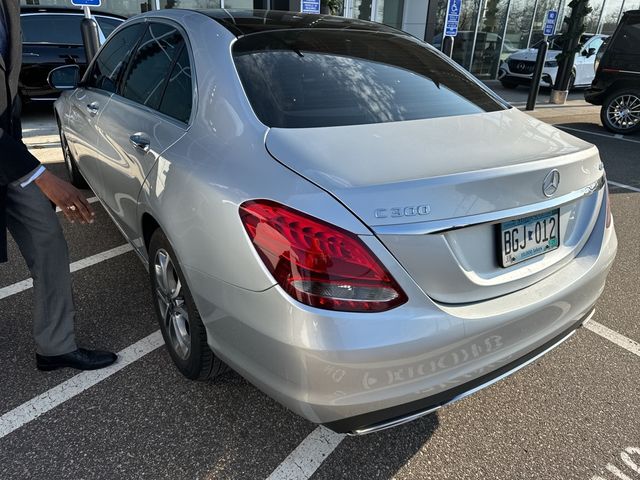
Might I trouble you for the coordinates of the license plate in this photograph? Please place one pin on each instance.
(527, 237)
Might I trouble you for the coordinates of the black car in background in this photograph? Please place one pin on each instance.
(617, 83)
(51, 38)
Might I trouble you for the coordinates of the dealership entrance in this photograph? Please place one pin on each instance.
(489, 30)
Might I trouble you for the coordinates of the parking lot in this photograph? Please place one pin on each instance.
(574, 414)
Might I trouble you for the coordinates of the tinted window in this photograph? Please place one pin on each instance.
(113, 57)
(108, 25)
(50, 28)
(307, 78)
(145, 78)
(60, 29)
(628, 38)
(177, 98)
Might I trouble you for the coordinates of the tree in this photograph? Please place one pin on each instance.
(570, 41)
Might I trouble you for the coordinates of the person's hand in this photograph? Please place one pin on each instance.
(66, 196)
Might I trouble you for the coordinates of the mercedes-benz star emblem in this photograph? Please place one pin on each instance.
(521, 66)
(551, 183)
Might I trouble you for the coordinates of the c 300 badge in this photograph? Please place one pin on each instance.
(397, 212)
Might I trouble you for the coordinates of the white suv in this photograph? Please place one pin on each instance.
(518, 68)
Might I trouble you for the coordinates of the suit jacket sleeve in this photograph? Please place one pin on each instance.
(15, 160)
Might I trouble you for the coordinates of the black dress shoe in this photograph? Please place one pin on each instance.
(81, 359)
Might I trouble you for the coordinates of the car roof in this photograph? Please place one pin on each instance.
(68, 10)
(244, 22)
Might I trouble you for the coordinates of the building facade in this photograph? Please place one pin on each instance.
(488, 32)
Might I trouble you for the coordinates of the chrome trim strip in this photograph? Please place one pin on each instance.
(402, 420)
(440, 226)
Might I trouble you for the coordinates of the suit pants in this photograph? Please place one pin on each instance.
(35, 227)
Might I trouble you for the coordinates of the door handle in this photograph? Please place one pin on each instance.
(93, 108)
(140, 141)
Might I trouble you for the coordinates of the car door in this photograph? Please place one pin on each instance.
(89, 100)
(584, 62)
(145, 117)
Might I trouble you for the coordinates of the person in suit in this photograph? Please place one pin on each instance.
(27, 192)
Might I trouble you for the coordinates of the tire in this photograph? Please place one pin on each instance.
(509, 85)
(75, 177)
(180, 323)
(620, 112)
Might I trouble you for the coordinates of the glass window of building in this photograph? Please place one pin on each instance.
(610, 16)
(389, 12)
(518, 27)
(489, 37)
(592, 20)
(540, 14)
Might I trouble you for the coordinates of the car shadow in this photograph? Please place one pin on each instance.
(379, 455)
(376, 455)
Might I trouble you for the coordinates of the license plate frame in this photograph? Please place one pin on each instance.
(537, 240)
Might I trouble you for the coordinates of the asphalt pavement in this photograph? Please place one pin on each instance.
(574, 414)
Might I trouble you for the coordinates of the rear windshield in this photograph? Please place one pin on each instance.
(323, 78)
(60, 29)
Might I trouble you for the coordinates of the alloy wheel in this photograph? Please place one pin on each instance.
(624, 111)
(171, 301)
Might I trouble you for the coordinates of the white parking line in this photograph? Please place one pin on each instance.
(73, 267)
(613, 137)
(622, 185)
(620, 340)
(90, 200)
(308, 456)
(50, 399)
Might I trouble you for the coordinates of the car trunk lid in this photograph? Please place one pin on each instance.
(432, 190)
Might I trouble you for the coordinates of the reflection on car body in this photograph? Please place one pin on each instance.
(317, 202)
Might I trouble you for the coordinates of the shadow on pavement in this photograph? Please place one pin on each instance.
(379, 455)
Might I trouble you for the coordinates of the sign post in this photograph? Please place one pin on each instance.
(451, 21)
(310, 6)
(89, 27)
(549, 29)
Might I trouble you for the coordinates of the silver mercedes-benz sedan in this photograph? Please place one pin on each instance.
(335, 210)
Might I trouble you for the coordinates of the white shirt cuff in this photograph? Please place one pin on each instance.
(32, 176)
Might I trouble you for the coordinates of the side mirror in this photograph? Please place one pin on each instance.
(589, 53)
(66, 77)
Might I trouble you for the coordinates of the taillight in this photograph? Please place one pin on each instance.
(608, 211)
(317, 263)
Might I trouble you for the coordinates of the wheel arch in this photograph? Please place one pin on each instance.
(149, 225)
(621, 84)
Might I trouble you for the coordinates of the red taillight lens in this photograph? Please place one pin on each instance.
(317, 263)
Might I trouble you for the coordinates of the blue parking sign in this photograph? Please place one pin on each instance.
(452, 18)
(550, 22)
(86, 3)
(310, 6)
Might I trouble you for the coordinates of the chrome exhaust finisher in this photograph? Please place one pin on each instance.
(503, 373)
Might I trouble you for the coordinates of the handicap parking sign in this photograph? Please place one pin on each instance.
(452, 18)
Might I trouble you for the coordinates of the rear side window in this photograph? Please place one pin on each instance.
(51, 28)
(322, 78)
(113, 57)
(150, 66)
(60, 29)
(628, 38)
(178, 96)
(107, 25)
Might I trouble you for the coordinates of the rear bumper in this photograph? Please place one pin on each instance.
(392, 417)
(354, 372)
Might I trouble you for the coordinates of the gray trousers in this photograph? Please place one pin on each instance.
(35, 227)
